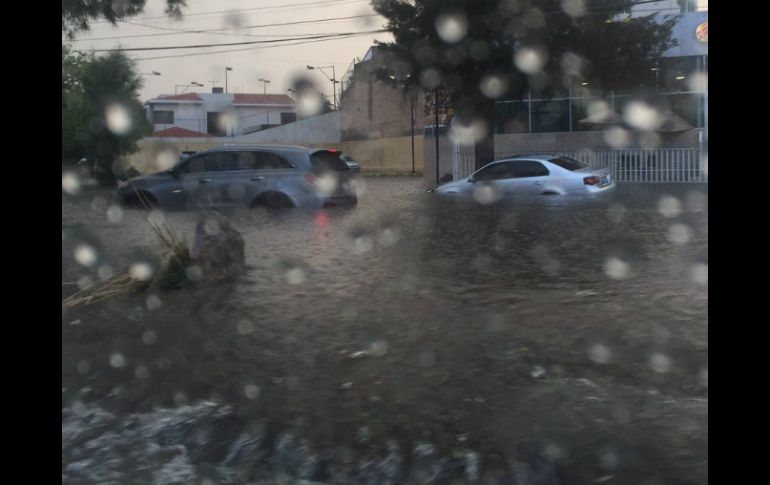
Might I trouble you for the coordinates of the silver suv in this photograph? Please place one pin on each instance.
(273, 176)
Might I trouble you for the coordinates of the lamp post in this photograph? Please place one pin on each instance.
(153, 73)
(264, 82)
(333, 80)
(185, 86)
(227, 69)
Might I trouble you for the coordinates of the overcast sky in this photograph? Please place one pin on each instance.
(279, 64)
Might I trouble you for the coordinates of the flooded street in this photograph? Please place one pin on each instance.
(413, 339)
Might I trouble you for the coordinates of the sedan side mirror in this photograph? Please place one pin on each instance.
(471, 179)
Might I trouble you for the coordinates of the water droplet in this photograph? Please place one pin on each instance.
(574, 8)
(553, 452)
(251, 391)
(642, 116)
(84, 367)
(697, 201)
(153, 302)
(600, 353)
(608, 460)
(165, 159)
(616, 213)
(156, 217)
(70, 183)
(180, 398)
(362, 244)
(85, 282)
(389, 236)
(141, 271)
(493, 86)
(698, 81)
(703, 377)
(530, 60)
(452, 27)
(486, 194)
(572, 64)
(118, 119)
(98, 204)
(378, 348)
(467, 134)
(699, 273)
(85, 254)
(430, 78)
(616, 268)
(149, 337)
(537, 372)
(659, 362)
(679, 234)
(616, 137)
(308, 104)
(105, 272)
(245, 327)
(327, 183)
(117, 360)
(141, 372)
(650, 140)
(194, 272)
(669, 206)
(296, 276)
(115, 214)
(599, 110)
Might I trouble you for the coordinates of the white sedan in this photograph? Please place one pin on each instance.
(531, 175)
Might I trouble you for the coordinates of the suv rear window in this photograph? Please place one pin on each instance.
(325, 160)
(568, 163)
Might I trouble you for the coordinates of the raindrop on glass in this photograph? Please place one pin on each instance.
(660, 363)
(251, 391)
(118, 119)
(451, 28)
(530, 60)
(616, 268)
(149, 337)
(153, 302)
(85, 255)
(115, 214)
(669, 206)
(599, 353)
(70, 183)
(117, 360)
(679, 234)
(296, 276)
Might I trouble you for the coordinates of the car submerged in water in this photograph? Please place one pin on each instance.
(272, 176)
(533, 175)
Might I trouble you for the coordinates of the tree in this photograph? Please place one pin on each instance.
(483, 50)
(76, 15)
(326, 105)
(102, 117)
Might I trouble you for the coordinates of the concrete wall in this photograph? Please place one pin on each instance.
(386, 154)
(318, 130)
(509, 143)
(429, 154)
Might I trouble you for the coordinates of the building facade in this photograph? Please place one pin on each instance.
(218, 114)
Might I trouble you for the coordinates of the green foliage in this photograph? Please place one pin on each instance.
(77, 15)
(91, 87)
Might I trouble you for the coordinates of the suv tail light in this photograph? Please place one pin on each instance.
(592, 180)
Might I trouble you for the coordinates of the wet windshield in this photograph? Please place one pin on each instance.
(270, 314)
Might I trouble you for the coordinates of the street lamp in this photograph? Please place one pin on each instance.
(153, 73)
(264, 82)
(333, 79)
(227, 69)
(185, 86)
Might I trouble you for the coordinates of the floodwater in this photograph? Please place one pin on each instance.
(413, 339)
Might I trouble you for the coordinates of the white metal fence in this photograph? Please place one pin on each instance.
(666, 165)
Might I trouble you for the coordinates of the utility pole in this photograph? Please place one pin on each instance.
(435, 132)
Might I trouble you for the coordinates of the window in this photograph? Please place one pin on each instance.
(207, 162)
(568, 163)
(494, 171)
(163, 117)
(528, 168)
(550, 116)
(270, 161)
(512, 117)
(325, 160)
(215, 124)
(288, 118)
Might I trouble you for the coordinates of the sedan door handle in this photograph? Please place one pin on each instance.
(257, 179)
(536, 183)
(204, 181)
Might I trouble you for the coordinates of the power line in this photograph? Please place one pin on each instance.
(347, 36)
(199, 46)
(268, 7)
